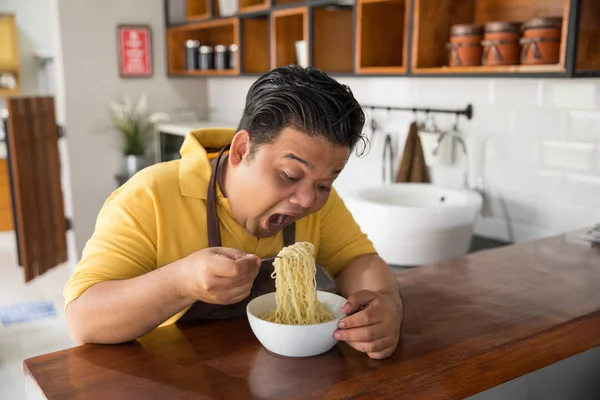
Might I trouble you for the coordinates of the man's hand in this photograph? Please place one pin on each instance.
(372, 324)
(219, 275)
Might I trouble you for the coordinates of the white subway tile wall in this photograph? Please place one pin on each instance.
(540, 122)
(515, 93)
(569, 155)
(571, 95)
(584, 125)
(535, 143)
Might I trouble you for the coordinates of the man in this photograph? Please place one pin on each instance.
(184, 239)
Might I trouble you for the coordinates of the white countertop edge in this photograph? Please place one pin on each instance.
(183, 128)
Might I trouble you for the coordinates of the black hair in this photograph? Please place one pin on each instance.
(305, 99)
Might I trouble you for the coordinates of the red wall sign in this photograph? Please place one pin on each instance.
(135, 51)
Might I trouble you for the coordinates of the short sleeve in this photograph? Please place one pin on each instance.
(341, 240)
(123, 244)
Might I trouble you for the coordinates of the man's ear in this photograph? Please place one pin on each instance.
(240, 148)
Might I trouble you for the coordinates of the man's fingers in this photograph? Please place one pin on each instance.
(228, 252)
(234, 295)
(362, 334)
(372, 314)
(222, 283)
(228, 268)
(378, 355)
(358, 300)
(374, 346)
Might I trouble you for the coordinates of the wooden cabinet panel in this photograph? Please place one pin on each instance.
(6, 214)
(10, 61)
(39, 207)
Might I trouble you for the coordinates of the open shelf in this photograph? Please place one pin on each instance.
(247, 6)
(287, 2)
(588, 51)
(197, 10)
(216, 72)
(333, 31)
(433, 20)
(487, 69)
(255, 45)
(287, 27)
(209, 33)
(374, 37)
(381, 36)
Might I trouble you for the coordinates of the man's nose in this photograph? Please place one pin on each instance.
(304, 196)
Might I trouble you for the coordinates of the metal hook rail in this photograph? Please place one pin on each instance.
(467, 111)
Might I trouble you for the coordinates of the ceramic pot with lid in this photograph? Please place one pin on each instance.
(541, 41)
(501, 43)
(465, 45)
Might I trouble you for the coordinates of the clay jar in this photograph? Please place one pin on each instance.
(465, 45)
(541, 41)
(501, 43)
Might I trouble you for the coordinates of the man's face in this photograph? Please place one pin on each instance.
(283, 181)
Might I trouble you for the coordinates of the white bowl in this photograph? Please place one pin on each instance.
(295, 340)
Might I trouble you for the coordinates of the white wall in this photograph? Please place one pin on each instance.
(534, 141)
(90, 73)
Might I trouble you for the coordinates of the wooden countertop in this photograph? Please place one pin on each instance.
(471, 324)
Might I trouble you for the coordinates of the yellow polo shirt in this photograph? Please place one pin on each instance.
(159, 216)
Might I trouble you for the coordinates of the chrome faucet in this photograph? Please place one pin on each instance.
(389, 152)
(464, 149)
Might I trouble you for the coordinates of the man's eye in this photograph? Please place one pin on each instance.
(289, 178)
(324, 188)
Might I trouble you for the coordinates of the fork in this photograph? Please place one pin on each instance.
(270, 258)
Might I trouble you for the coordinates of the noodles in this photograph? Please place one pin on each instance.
(295, 285)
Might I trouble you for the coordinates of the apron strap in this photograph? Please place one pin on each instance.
(289, 234)
(212, 218)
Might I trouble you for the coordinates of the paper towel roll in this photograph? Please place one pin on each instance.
(445, 152)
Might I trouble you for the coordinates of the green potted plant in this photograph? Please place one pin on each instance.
(136, 126)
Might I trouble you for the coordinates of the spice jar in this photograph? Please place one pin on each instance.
(206, 57)
(501, 43)
(232, 56)
(191, 54)
(541, 41)
(220, 56)
(465, 45)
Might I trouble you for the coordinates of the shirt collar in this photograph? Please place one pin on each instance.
(199, 147)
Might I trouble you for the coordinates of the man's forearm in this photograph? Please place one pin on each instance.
(369, 272)
(123, 310)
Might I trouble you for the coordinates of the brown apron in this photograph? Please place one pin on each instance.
(263, 282)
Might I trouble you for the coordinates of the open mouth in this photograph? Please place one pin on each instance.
(276, 222)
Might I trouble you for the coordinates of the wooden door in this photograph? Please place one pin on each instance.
(32, 137)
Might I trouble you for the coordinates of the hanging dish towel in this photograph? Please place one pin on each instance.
(412, 165)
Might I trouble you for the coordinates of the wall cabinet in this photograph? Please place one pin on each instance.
(10, 62)
(381, 37)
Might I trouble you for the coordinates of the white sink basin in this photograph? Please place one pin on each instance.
(413, 224)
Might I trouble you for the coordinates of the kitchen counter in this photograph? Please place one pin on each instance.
(183, 128)
(171, 136)
(470, 324)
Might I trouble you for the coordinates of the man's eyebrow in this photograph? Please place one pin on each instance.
(292, 156)
(303, 161)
